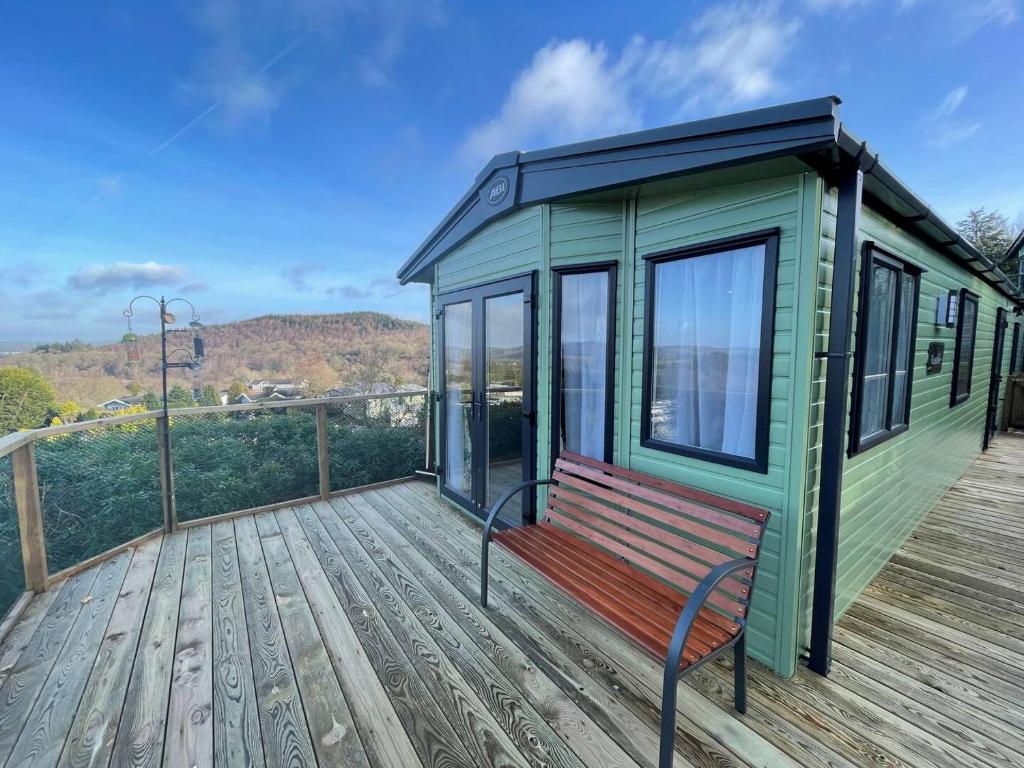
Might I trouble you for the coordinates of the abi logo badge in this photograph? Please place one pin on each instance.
(498, 190)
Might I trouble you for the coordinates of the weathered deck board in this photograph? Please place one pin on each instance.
(15, 642)
(383, 736)
(436, 741)
(349, 633)
(189, 739)
(331, 727)
(19, 691)
(236, 729)
(140, 735)
(99, 712)
(286, 740)
(47, 725)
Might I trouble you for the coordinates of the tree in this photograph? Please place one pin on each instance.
(236, 390)
(320, 377)
(374, 367)
(151, 402)
(210, 396)
(26, 399)
(68, 411)
(179, 397)
(989, 232)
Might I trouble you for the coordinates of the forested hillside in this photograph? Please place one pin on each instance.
(347, 349)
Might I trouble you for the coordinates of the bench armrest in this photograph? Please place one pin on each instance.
(493, 514)
(696, 601)
(489, 523)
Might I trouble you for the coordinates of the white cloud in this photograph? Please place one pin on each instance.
(975, 14)
(965, 17)
(570, 91)
(395, 19)
(822, 6)
(101, 278)
(575, 89)
(942, 124)
(233, 75)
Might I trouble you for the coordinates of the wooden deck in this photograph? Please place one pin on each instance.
(348, 634)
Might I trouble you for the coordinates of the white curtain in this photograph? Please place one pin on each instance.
(707, 340)
(584, 340)
(458, 380)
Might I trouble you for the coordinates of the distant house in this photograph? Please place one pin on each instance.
(262, 398)
(341, 392)
(285, 386)
(120, 404)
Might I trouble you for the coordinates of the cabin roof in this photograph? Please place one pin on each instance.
(809, 130)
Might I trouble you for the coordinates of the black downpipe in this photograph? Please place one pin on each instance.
(833, 439)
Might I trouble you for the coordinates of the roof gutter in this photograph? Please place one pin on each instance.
(922, 218)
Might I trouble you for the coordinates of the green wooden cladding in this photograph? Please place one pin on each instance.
(886, 489)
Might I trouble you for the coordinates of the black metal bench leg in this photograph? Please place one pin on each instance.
(668, 716)
(483, 576)
(739, 663)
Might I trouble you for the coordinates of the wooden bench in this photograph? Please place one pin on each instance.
(669, 566)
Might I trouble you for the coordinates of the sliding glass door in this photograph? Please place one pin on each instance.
(487, 419)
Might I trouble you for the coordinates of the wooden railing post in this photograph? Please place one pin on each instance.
(323, 451)
(166, 469)
(30, 517)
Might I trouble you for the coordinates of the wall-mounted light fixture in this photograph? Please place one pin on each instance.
(946, 308)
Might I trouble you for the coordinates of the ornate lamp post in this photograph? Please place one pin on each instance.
(193, 361)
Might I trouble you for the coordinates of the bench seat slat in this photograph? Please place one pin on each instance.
(643, 633)
(580, 511)
(642, 580)
(652, 632)
(686, 582)
(628, 592)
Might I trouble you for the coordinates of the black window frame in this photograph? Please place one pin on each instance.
(872, 254)
(769, 238)
(611, 269)
(1015, 366)
(965, 296)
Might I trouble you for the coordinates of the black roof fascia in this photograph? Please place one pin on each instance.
(1015, 246)
(808, 129)
(882, 189)
(620, 161)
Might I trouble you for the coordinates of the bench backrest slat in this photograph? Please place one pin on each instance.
(674, 533)
(693, 494)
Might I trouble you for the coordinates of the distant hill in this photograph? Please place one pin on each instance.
(345, 349)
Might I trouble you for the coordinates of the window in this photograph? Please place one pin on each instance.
(709, 319)
(584, 360)
(883, 371)
(963, 358)
(1015, 351)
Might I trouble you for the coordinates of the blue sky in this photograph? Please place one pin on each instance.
(287, 156)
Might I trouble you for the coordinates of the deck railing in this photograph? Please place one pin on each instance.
(74, 494)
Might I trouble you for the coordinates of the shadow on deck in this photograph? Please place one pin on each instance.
(348, 633)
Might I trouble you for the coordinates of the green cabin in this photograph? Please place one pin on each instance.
(751, 305)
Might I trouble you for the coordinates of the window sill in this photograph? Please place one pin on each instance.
(757, 464)
(955, 401)
(866, 445)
